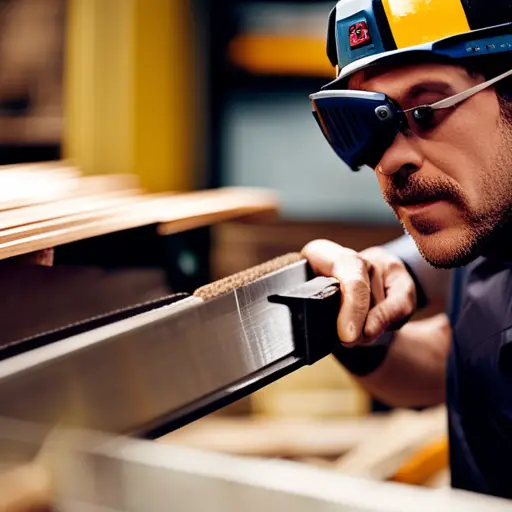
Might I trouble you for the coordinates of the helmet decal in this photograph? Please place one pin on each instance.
(359, 34)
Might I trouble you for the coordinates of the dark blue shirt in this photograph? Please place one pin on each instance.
(479, 392)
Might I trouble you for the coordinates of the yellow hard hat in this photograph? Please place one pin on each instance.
(362, 33)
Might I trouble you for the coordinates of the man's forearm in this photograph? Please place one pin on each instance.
(414, 371)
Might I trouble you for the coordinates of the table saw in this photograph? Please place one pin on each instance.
(91, 396)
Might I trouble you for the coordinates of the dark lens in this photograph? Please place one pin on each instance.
(423, 116)
(359, 126)
(423, 120)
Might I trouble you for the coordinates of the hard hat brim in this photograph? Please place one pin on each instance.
(426, 50)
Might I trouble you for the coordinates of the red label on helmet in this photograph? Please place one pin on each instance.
(359, 34)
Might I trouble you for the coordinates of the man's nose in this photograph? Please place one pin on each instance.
(402, 156)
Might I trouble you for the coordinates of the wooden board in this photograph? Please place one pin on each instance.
(275, 437)
(172, 212)
(34, 184)
(188, 211)
(380, 456)
(61, 208)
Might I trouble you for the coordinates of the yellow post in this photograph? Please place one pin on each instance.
(128, 108)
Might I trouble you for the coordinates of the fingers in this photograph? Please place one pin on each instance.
(331, 260)
(398, 306)
(378, 293)
(377, 284)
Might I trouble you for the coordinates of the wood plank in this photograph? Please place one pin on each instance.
(67, 230)
(276, 437)
(39, 188)
(177, 212)
(54, 166)
(112, 206)
(104, 183)
(62, 208)
(39, 183)
(215, 206)
(380, 456)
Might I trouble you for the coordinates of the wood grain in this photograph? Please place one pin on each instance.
(45, 205)
(215, 206)
(62, 208)
(33, 184)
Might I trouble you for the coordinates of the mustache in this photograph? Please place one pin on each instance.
(416, 190)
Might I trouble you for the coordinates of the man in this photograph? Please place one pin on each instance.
(426, 104)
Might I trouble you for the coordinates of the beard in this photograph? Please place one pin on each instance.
(480, 228)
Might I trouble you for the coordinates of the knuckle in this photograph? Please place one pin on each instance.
(412, 294)
(327, 253)
(389, 314)
(375, 253)
(358, 259)
(396, 266)
(349, 254)
(399, 314)
(398, 310)
(383, 262)
(345, 259)
(406, 310)
(380, 317)
(310, 247)
(408, 297)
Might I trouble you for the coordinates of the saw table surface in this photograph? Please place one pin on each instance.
(97, 472)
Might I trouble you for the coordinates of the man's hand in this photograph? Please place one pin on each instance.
(378, 293)
(26, 489)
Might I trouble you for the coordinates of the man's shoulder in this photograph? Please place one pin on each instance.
(484, 268)
(487, 292)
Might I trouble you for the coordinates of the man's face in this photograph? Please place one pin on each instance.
(450, 184)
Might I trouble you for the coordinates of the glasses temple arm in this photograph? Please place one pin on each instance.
(458, 98)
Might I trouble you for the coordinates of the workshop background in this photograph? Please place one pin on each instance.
(199, 94)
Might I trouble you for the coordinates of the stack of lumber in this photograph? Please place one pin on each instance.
(402, 446)
(45, 205)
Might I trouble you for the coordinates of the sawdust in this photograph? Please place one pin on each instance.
(245, 277)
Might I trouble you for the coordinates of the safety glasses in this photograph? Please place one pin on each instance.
(360, 126)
